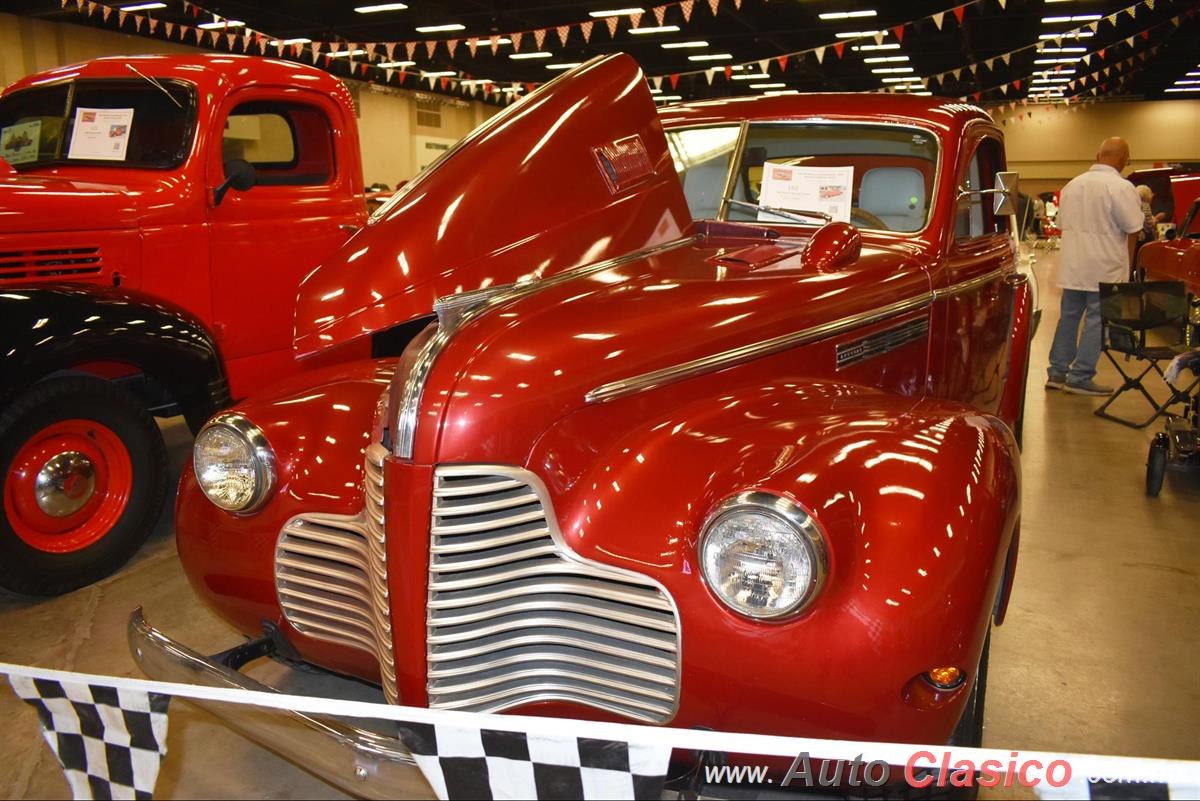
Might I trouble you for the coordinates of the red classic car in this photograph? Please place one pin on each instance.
(1178, 258)
(666, 453)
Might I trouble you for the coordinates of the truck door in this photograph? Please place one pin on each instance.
(976, 296)
(306, 199)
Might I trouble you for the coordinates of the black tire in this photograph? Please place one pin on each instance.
(969, 732)
(29, 570)
(1156, 465)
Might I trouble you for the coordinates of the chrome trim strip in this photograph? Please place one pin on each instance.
(405, 429)
(755, 350)
(970, 284)
(730, 358)
(860, 350)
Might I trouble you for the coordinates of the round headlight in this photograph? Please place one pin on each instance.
(762, 555)
(234, 463)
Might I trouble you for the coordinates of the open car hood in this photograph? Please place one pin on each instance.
(576, 172)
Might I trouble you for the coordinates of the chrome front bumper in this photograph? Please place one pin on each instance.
(359, 762)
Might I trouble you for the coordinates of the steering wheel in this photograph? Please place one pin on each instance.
(868, 219)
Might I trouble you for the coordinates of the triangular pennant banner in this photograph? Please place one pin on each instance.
(516, 40)
(959, 12)
(820, 53)
(879, 37)
(686, 9)
(728, 72)
(839, 48)
(674, 79)
(563, 32)
(539, 36)
(660, 14)
(430, 46)
(612, 23)
(472, 45)
(713, 4)
(635, 19)
(410, 48)
(121, 16)
(782, 61)
(937, 19)
(105, 12)
(709, 74)
(390, 49)
(656, 82)
(168, 29)
(586, 29)
(899, 32)
(452, 45)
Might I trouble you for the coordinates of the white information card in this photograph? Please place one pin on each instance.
(826, 189)
(101, 133)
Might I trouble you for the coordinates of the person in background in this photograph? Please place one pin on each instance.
(1100, 217)
(1150, 225)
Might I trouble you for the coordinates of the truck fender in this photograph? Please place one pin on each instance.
(49, 330)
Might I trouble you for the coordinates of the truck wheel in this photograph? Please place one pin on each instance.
(1156, 465)
(84, 474)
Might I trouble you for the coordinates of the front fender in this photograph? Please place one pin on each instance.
(47, 329)
(917, 498)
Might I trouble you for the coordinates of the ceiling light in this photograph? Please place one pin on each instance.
(656, 29)
(563, 66)
(778, 92)
(884, 59)
(886, 70)
(678, 45)
(1064, 50)
(1076, 18)
(865, 48)
(1050, 80)
(532, 54)
(1194, 74)
(1182, 82)
(870, 12)
(225, 23)
(1055, 61)
(750, 76)
(654, 91)
(451, 26)
(904, 80)
(442, 74)
(1183, 89)
(381, 7)
(475, 82)
(143, 6)
(347, 53)
(296, 41)
(712, 57)
(1068, 35)
(391, 65)
(858, 34)
(767, 85)
(616, 12)
(664, 98)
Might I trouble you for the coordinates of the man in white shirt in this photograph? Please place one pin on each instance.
(1100, 215)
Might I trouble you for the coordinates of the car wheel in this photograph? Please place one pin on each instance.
(1156, 465)
(969, 732)
(84, 474)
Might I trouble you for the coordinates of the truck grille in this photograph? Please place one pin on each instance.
(331, 576)
(514, 617)
(49, 263)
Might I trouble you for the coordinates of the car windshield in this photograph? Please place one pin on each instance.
(99, 122)
(877, 177)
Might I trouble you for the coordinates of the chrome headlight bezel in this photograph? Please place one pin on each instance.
(803, 527)
(263, 455)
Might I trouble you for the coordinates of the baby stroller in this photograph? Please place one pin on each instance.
(1178, 446)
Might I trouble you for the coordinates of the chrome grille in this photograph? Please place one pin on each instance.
(514, 617)
(43, 263)
(331, 576)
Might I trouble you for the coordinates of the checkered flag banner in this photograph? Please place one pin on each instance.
(110, 742)
(471, 763)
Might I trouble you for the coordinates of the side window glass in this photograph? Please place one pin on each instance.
(974, 217)
(702, 158)
(289, 144)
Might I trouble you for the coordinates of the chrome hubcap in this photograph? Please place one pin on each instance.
(65, 484)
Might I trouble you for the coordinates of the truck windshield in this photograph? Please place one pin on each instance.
(99, 122)
(872, 176)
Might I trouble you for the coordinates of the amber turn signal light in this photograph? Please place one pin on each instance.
(944, 678)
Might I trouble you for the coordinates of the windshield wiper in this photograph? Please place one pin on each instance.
(154, 83)
(791, 214)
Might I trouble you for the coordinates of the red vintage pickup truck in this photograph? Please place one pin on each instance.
(156, 217)
(676, 439)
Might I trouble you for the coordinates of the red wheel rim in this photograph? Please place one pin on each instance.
(68, 486)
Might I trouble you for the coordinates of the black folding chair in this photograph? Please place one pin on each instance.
(1148, 321)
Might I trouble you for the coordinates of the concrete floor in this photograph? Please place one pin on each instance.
(1098, 654)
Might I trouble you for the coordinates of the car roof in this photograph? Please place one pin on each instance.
(932, 112)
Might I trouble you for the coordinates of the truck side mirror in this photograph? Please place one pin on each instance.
(239, 175)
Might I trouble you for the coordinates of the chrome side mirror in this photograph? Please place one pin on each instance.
(1006, 193)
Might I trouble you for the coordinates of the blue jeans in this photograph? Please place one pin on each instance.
(1077, 363)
